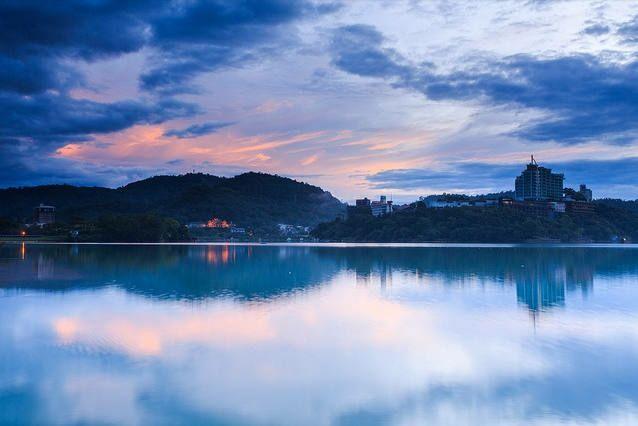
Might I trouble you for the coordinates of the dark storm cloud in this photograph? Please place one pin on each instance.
(202, 36)
(197, 130)
(76, 28)
(585, 97)
(49, 118)
(597, 173)
(36, 37)
(31, 75)
(38, 42)
(187, 38)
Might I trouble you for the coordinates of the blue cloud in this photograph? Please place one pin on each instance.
(201, 36)
(39, 42)
(472, 177)
(597, 29)
(629, 30)
(34, 127)
(585, 97)
(464, 176)
(55, 118)
(197, 130)
(187, 38)
(358, 49)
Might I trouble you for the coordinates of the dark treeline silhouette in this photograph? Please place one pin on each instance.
(478, 224)
(254, 200)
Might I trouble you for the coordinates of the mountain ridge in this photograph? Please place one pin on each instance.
(249, 199)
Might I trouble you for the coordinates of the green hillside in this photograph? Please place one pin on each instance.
(255, 200)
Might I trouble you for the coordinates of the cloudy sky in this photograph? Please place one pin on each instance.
(396, 97)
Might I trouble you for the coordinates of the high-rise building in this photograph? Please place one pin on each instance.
(586, 192)
(539, 183)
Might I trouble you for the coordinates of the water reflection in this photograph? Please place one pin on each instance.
(317, 335)
(189, 272)
(541, 276)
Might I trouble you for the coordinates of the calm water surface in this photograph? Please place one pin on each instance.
(94, 334)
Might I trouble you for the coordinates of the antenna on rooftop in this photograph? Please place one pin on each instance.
(533, 161)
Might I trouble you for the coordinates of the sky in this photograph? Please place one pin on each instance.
(398, 97)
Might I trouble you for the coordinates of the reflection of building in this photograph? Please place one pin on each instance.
(538, 183)
(220, 254)
(540, 290)
(44, 215)
(543, 285)
(369, 274)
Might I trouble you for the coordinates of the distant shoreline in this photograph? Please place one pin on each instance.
(335, 244)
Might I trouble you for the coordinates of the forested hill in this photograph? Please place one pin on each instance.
(250, 199)
(418, 223)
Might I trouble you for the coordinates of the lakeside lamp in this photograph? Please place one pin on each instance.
(23, 233)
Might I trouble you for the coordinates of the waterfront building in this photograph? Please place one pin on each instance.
(580, 207)
(539, 183)
(449, 202)
(44, 215)
(361, 208)
(364, 206)
(381, 207)
(440, 204)
(541, 208)
(194, 225)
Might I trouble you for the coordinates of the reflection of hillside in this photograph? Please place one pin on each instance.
(541, 275)
(189, 272)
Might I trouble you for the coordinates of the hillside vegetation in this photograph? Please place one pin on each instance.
(482, 225)
(254, 200)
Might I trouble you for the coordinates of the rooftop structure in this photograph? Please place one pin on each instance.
(537, 183)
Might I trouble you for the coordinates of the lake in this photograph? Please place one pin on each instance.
(325, 335)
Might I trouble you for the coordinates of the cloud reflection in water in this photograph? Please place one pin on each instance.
(333, 336)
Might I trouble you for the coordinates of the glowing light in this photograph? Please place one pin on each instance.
(218, 223)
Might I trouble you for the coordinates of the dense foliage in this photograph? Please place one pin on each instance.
(146, 228)
(137, 228)
(618, 203)
(254, 200)
(480, 224)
